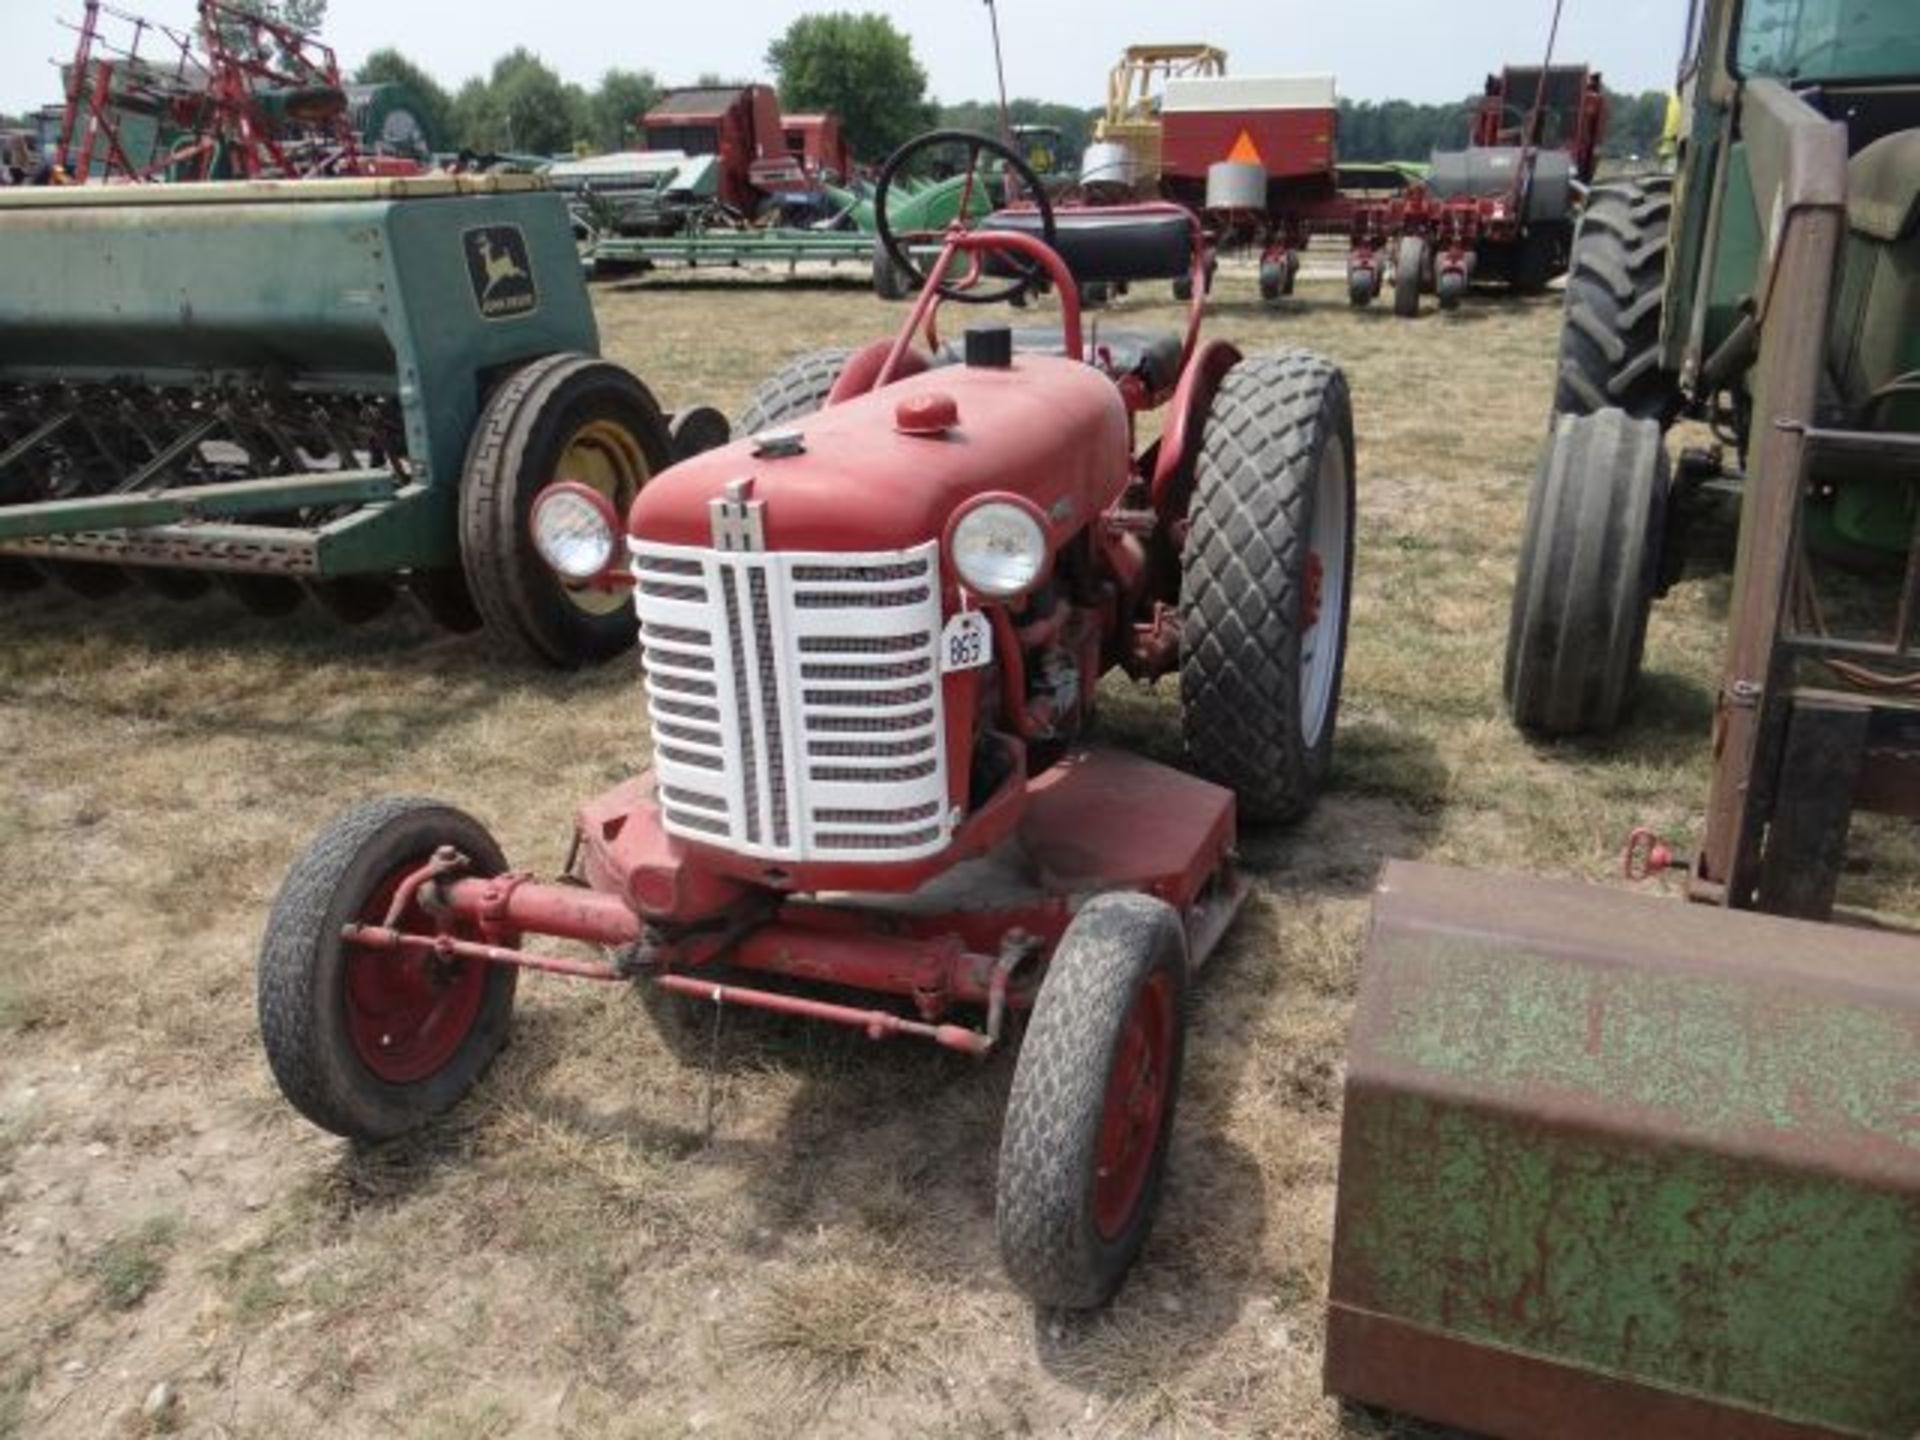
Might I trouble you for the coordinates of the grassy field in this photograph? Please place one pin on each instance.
(572, 1253)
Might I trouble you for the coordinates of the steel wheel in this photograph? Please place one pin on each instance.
(408, 1014)
(1137, 1093)
(605, 456)
(1323, 593)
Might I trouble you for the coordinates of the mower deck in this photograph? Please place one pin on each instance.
(1098, 821)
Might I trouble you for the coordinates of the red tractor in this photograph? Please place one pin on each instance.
(872, 635)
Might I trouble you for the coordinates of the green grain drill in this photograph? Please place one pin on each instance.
(336, 389)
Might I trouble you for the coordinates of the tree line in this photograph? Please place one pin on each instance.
(862, 67)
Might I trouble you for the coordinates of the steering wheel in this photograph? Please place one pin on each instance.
(1027, 272)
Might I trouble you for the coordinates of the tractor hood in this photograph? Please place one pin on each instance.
(1049, 429)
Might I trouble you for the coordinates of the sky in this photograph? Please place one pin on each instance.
(1056, 50)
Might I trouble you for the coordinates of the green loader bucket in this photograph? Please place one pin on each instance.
(1614, 1165)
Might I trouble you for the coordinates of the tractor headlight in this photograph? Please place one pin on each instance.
(999, 547)
(575, 530)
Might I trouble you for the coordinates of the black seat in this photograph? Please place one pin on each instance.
(1153, 355)
(1107, 245)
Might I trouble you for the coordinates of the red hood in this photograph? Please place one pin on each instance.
(1050, 429)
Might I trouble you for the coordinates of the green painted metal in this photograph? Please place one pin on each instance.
(733, 247)
(195, 502)
(1655, 1150)
(326, 288)
(928, 208)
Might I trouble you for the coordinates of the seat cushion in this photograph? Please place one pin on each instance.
(1875, 334)
(1153, 355)
(1883, 188)
(1105, 245)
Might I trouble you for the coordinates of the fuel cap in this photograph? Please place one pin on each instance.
(778, 444)
(933, 412)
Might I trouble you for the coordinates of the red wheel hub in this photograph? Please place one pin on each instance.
(1312, 586)
(1138, 1087)
(408, 1012)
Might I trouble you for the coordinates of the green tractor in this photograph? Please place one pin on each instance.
(1676, 288)
(1611, 1164)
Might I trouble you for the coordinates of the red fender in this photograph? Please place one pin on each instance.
(1180, 439)
(863, 368)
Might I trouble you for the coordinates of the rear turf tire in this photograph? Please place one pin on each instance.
(1590, 559)
(1272, 529)
(1080, 1168)
(307, 973)
(797, 389)
(1616, 285)
(567, 417)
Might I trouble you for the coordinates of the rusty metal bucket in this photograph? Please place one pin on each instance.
(1614, 1165)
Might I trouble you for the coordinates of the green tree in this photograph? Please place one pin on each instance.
(615, 108)
(521, 106)
(861, 68)
(389, 67)
(304, 15)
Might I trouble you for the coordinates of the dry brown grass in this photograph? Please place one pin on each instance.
(570, 1254)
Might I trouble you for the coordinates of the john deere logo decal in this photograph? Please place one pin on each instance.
(502, 274)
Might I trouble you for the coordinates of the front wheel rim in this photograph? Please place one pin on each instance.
(606, 457)
(1323, 593)
(407, 1013)
(1139, 1083)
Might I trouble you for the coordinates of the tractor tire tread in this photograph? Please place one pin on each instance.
(1240, 604)
(509, 585)
(1609, 354)
(797, 389)
(1043, 1203)
(1589, 565)
(310, 1072)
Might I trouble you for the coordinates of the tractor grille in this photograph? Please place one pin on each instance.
(795, 700)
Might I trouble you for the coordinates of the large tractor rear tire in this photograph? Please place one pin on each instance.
(562, 417)
(1616, 284)
(794, 391)
(1084, 1148)
(373, 1043)
(1269, 565)
(1589, 567)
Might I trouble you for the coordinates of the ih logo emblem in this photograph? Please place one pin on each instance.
(501, 273)
(736, 520)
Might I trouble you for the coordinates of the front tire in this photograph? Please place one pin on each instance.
(1269, 565)
(1589, 565)
(563, 417)
(370, 1043)
(1084, 1151)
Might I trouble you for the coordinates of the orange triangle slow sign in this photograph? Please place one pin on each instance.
(1246, 152)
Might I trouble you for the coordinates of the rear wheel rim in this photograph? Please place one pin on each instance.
(408, 1013)
(1323, 592)
(1139, 1082)
(607, 457)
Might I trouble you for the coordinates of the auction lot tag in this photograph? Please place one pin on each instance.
(967, 642)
